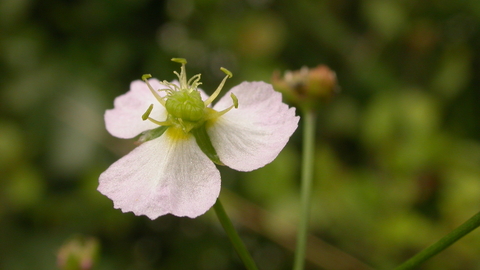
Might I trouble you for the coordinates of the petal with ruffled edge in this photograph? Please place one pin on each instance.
(125, 119)
(252, 135)
(163, 176)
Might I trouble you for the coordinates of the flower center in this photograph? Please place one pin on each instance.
(184, 104)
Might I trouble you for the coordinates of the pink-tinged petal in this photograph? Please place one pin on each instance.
(163, 176)
(252, 135)
(125, 119)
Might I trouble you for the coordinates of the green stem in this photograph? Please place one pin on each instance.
(307, 176)
(233, 235)
(442, 244)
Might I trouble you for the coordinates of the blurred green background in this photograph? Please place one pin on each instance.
(398, 151)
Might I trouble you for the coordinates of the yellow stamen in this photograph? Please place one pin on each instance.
(212, 114)
(183, 74)
(146, 116)
(164, 123)
(219, 88)
(194, 82)
(157, 96)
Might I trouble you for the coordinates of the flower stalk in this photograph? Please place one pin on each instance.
(233, 235)
(308, 89)
(442, 244)
(309, 120)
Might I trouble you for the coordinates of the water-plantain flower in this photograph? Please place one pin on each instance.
(183, 135)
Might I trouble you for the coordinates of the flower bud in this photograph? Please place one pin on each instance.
(307, 88)
(78, 253)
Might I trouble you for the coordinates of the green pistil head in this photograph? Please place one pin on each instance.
(185, 105)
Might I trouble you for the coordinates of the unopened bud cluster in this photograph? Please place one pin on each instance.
(78, 253)
(307, 88)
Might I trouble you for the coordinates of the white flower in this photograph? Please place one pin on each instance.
(172, 170)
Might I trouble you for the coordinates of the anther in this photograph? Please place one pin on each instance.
(235, 100)
(226, 71)
(147, 113)
(146, 116)
(179, 60)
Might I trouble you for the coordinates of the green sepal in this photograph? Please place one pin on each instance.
(203, 141)
(152, 134)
